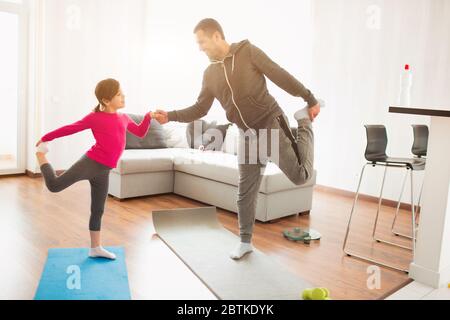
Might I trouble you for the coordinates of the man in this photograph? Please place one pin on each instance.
(236, 78)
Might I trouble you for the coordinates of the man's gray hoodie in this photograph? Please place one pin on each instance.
(238, 83)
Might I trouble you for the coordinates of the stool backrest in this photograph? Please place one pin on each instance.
(376, 143)
(420, 145)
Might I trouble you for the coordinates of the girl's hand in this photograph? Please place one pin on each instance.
(161, 116)
(158, 117)
(38, 143)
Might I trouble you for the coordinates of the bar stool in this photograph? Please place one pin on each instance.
(375, 154)
(419, 149)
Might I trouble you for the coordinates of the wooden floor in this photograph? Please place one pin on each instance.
(32, 220)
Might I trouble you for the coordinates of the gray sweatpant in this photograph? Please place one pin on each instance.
(84, 169)
(295, 158)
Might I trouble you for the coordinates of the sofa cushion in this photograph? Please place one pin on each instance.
(146, 160)
(176, 135)
(206, 135)
(154, 139)
(214, 165)
(223, 167)
(230, 144)
(275, 180)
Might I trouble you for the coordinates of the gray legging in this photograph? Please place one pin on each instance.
(83, 169)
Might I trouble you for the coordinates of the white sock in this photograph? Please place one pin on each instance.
(101, 252)
(42, 148)
(241, 250)
(303, 113)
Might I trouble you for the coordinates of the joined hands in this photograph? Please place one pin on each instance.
(161, 116)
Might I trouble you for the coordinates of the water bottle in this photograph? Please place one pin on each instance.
(405, 87)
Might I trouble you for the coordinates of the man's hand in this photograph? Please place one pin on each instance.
(314, 112)
(161, 116)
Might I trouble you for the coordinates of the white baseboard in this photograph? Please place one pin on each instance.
(430, 277)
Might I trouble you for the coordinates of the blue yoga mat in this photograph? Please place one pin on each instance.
(69, 274)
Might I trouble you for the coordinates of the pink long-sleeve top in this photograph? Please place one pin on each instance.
(109, 131)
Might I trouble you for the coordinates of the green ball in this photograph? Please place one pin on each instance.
(307, 294)
(319, 294)
(327, 292)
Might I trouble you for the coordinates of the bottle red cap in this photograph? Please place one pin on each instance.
(406, 66)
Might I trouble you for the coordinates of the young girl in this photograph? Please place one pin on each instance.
(109, 128)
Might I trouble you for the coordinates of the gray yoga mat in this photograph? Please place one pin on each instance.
(200, 241)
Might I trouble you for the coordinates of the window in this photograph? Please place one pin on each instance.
(11, 87)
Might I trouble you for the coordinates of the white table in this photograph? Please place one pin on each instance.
(431, 265)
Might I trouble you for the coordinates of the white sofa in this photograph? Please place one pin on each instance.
(207, 176)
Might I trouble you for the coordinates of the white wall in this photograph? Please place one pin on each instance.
(357, 71)
(175, 65)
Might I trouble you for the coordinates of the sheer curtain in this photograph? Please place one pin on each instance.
(13, 55)
(85, 42)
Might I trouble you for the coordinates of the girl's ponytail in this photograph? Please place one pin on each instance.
(105, 89)
(99, 108)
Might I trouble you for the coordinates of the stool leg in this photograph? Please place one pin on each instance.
(399, 202)
(356, 255)
(353, 208)
(380, 240)
(413, 219)
(416, 212)
(420, 198)
(379, 204)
